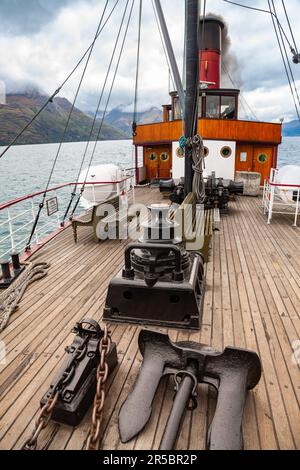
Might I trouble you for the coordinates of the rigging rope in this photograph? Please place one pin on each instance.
(55, 93)
(108, 98)
(290, 26)
(196, 143)
(93, 126)
(163, 45)
(263, 11)
(134, 123)
(286, 63)
(11, 298)
(243, 99)
(42, 204)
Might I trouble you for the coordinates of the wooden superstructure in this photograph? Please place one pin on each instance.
(256, 143)
(252, 144)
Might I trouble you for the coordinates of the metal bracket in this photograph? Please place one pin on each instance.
(76, 380)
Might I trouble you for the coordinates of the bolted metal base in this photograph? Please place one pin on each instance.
(167, 304)
(77, 396)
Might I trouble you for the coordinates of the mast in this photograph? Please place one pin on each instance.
(171, 54)
(192, 84)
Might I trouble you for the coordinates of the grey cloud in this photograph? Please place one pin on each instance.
(46, 46)
(28, 16)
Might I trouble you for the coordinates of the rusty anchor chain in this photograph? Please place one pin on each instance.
(45, 414)
(102, 375)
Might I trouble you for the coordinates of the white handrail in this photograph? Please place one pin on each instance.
(14, 224)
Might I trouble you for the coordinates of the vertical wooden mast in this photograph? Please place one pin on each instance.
(192, 84)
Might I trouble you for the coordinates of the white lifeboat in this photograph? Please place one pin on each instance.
(288, 175)
(103, 183)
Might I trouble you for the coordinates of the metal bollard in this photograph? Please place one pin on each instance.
(16, 262)
(6, 275)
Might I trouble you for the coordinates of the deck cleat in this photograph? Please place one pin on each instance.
(232, 373)
(161, 283)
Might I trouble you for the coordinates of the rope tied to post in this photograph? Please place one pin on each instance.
(11, 297)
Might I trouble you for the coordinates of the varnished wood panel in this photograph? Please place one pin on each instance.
(252, 300)
(253, 163)
(213, 129)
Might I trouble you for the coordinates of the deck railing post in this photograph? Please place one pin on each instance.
(58, 212)
(297, 208)
(133, 189)
(264, 196)
(33, 219)
(11, 232)
(271, 204)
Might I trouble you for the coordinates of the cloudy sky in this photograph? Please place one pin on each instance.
(41, 40)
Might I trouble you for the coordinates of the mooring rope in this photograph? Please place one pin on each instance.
(11, 297)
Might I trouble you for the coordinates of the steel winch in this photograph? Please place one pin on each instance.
(218, 191)
(161, 283)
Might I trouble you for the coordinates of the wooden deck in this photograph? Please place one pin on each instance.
(252, 300)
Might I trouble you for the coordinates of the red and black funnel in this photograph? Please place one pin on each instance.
(210, 50)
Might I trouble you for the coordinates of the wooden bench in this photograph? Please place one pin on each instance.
(91, 219)
(117, 218)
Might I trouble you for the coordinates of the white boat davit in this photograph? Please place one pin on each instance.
(103, 183)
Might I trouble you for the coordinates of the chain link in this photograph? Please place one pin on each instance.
(102, 375)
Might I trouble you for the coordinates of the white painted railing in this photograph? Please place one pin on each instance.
(17, 217)
(280, 198)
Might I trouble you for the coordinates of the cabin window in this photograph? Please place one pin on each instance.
(227, 107)
(226, 152)
(164, 157)
(262, 158)
(153, 157)
(212, 107)
(243, 157)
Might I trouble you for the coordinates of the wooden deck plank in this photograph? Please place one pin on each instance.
(252, 300)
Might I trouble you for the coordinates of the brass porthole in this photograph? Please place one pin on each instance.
(226, 152)
(179, 152)
(262, 158)
(206, 152)
(164, 157)
(153, 157)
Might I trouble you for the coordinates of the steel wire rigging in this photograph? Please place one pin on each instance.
(58, 90)
(243, 100)
(296, 56)
(93, 127)
(90, 49)
(106, 105)
(285, 59)
(107, 101)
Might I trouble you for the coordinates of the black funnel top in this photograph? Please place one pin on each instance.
(212, 33)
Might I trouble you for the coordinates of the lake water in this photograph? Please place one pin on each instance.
(25, 169)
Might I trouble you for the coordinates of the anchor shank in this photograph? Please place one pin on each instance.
(178, 410)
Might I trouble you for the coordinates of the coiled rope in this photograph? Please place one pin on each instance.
(11, 297)
(198, 165)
